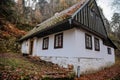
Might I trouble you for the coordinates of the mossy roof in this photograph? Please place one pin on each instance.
(59, 17)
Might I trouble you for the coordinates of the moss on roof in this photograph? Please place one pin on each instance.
(66, 14)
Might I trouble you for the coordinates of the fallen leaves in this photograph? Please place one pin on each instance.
(17, 67)
(105, 74)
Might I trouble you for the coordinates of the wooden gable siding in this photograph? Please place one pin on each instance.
(90, 17)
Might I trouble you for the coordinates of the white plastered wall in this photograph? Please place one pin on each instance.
(73, 51)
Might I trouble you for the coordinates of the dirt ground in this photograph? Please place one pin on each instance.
(16, 67)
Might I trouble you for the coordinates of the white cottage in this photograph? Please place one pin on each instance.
(75, 36)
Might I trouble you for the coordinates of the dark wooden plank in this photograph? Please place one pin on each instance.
(86, 16)
(94, 20)
(97, 24)
(78, 17)
(90, 19)
(81, 17)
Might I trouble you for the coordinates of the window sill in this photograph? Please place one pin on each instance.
(45, 49)
(58, 47)
(88, 48)
(97, 50)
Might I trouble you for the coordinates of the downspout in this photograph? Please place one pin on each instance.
(78, 71)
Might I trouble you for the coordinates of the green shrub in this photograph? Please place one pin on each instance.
(9, 45)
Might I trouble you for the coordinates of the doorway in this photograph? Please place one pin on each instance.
(31, 47)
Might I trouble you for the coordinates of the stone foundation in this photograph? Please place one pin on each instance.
(87, 65)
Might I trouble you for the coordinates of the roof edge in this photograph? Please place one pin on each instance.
(22, 39)
(113, 43)
(86, 2)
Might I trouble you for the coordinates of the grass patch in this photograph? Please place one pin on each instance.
(14, 62)
(16, 68)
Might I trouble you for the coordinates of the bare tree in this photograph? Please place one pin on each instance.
(116, 5)
(115, 24)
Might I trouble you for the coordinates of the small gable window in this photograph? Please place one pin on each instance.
(58, 41)
(109, 51)
(97, 44)
(88, 41)
(45, 43)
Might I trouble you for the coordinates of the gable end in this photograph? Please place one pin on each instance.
(89, 17)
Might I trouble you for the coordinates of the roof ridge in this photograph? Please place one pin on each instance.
(63, 15)
(67, 11)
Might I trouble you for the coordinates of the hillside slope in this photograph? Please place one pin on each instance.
(9, 34)
(16, 67)
(8, 29)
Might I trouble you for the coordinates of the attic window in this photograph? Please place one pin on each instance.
(97, 44)
(58, 41)
(88, 41)
(45, 43)
(109, 51)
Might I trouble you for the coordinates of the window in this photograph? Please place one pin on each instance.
(109, 51)
(58, 42)
(97, 44)
(45, 43)
(88, 41)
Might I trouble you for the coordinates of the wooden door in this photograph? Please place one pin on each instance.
(31, 46)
